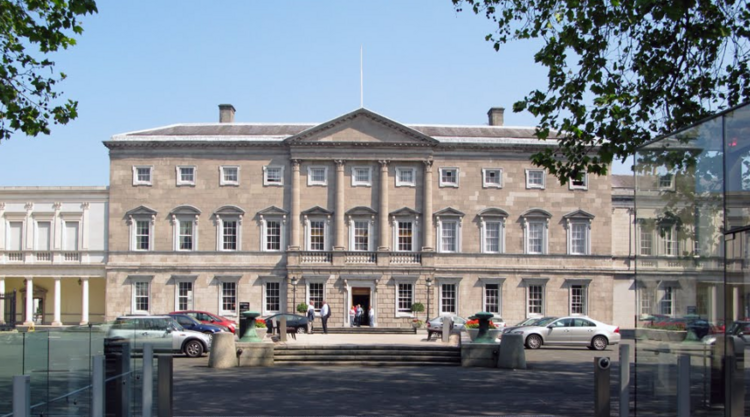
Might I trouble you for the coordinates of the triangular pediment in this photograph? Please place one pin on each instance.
(404, 211)
(579, 214)
(361, 211)
(536, 212)
(361, 127)
(272, 211)
(317, 210)
(141, 211)
(449, 211)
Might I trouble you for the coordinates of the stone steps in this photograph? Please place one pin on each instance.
(367, 355)
(366, 330)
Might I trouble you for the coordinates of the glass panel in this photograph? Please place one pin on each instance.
(492, 233)
(273, 297)
(316, 294)
(273, 235)
(317, 235)
(448, 299)
(16, 231)
(404, 298)
(492, 298)
(43, 235)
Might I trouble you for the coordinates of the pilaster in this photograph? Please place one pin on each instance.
(339, 214)
(383, 212)
(294, 222)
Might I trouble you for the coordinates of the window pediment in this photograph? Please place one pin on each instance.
(579, 215)
(449, 212)
(317, 211)
(537, 213)
(272, 211)
(141, 211)
(361, 211)
(493, 212)
(185, 210)
(404, 211)
(229, 211)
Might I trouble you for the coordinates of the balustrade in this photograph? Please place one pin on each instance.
(316, 257)
(402, 258)
(361, 257)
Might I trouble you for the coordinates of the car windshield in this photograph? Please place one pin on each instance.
(545, 321)
(177, 326)
(737, 327)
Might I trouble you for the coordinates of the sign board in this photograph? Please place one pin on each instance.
(244, 306)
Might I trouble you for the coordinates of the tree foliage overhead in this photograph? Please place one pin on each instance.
(621, 72)
(30, 30)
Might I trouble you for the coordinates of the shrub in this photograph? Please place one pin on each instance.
(417, 307)
(302, 308)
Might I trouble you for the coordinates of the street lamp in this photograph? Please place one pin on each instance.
(294, 291)
(429, 288)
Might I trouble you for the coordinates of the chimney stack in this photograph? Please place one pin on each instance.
(496, 116)
(226, 113)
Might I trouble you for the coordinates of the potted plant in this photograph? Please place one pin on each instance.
(302, 308)
(417, 308)
(472, 328)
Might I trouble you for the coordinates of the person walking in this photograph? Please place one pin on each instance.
(359, 314)
(352, 313)
(325, 313)
(371, 316)
(310, 317)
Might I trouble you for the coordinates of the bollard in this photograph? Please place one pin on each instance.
(164, 391)
(282, 329)
(97, 384)
(22, 396)
(735, 372)
(147, 384)
(683, 386)
(624, 380)
(447, 328)
(602, 404)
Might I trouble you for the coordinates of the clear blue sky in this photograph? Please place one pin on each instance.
(142, 64)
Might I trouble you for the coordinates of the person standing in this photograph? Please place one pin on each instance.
(325, 313)
(310, 317)
(371, 316)
(359, 315)
(352, 313)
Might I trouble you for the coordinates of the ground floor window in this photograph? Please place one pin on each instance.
(578, 299)
(141, 297)
(228, 298)
(315, 294)
(535, 300)
(185, 296)
(448, 298)
(667, 301)
(273, 296)
(492, 298)
(405, 298)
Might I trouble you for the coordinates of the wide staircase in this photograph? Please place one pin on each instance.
(366, 330)
(367, 355)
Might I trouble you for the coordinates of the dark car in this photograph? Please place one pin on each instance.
(190, 323)
(293, 321)
(740, 328)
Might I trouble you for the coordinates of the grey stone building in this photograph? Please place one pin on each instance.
(360, 209)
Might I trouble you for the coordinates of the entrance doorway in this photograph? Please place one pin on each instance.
(361, 296)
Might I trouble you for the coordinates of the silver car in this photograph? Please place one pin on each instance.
(435, 326)
(575, 330)
(163, 332)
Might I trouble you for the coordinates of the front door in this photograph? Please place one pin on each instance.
(361, 297)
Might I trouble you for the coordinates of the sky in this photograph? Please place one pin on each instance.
(142, 64)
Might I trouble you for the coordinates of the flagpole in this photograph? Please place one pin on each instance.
(361, 81)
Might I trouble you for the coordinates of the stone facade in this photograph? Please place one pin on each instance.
(271, 213)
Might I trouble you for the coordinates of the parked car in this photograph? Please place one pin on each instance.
(575, 330)
(740, 329)
(210, 318)
(531, 321)
(164, 332)
(295, 321)
(189, 323)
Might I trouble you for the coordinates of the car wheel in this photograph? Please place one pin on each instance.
(599, 343)
(534, 341)
(301, 329)
(193, 349)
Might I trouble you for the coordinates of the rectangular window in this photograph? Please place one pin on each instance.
(577, 299)
(185, 175)
(579, 184)
(536, 238)
(492, 298)
(361, 235)
(666, 181)
(316, 294)
(273, 296)
(185, 296)
(317, 235)
(361, 176)
(43, 233)
(273, 235)
(142, 175)
(669, 247)
(492, 236)
(535, 301)
(228, 298)
(229, 175)
(578, 241)
(273, 175)
(186, 235)
(449, 236)
(667, 301)
(535, 178)
(449, 177)
(406, 177)
(405, 297)
(15, 235)
(492, 178)
(645, 301)
(405, 237)
(141, 296)
(229, 235)
(317, 175)
(142, 234)
(71, 236)
(448, 298)
(646, 243)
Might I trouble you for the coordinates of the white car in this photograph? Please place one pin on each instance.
(163, 332)
(573, 330)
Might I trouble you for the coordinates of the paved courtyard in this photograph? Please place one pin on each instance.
(559, 382)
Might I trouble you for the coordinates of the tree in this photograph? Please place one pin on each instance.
(29, 31)
(621, 72)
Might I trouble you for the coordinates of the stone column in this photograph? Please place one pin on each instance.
(85, 302)
(2, 301)
(427, 207)
(294, 221)
(339, 205)
(28, 317)
(383, 243)
(58, 300)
